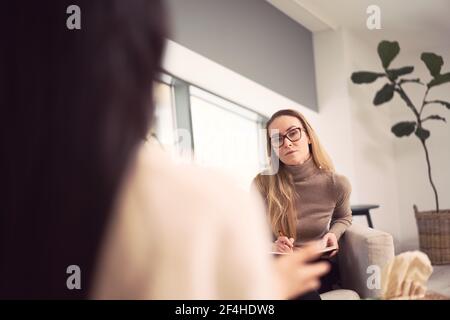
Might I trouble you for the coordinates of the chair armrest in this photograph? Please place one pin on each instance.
(361, 247)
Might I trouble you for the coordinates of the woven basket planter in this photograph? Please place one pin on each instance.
(434, 234)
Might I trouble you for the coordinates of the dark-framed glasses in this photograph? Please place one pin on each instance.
(294, 134)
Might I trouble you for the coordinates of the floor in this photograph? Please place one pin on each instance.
(440, 280)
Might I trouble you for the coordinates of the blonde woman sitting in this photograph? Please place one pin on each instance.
(305, 199)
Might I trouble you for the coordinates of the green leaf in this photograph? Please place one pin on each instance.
(440, 79)
(384, 94)
(393, 74)
(365, 77)
(422, 134)
(405, 128)
(433, 62)
(387, 51)
(435, 117)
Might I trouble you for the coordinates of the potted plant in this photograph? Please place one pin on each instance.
(434, 225)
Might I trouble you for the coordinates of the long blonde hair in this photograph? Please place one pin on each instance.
(277, 188)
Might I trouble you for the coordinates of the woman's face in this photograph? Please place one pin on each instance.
(290, 152)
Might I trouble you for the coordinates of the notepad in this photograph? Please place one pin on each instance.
(322, 251)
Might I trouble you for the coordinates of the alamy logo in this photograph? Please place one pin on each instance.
(374, 19)
(74, 280)
(73, 21)
(374, 280)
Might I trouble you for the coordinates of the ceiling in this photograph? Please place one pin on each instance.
(417, 24)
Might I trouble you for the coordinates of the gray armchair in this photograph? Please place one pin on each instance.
(360, 247)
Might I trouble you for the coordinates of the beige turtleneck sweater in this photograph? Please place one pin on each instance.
(323, 201)
(322, 204)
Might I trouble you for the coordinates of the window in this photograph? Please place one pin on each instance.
(163, 129)
(226, 136)
(213, 131)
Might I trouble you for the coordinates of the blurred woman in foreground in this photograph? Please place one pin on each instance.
(80, 189)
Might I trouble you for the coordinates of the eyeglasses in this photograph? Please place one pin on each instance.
(294, 134)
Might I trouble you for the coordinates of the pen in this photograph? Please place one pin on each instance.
(282, 235)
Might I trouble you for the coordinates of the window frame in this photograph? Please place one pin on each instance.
(182, 113)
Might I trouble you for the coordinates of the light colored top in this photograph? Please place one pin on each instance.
(180, 232)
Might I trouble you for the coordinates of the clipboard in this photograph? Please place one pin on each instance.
(322, 251)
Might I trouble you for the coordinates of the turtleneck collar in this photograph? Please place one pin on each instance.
(303, 171)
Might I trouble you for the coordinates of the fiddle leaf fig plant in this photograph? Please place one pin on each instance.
(388, 51)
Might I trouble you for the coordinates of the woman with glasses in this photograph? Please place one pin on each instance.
(305, 199)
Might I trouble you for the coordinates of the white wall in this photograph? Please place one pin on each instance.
(412, 176)
(334, 115)
(374, 143)
(387, 171)
(357, 134)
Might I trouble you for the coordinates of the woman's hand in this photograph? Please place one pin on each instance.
(296, 275)
(330, 240)
(283, 245)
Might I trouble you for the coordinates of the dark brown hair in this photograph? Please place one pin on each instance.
(74, 104)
